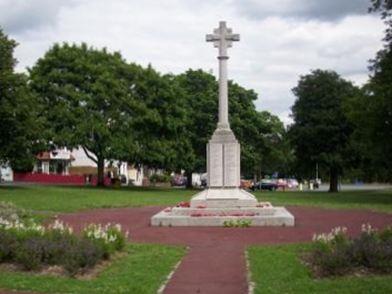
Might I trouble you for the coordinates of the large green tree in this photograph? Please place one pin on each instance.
(371, 110)
(88, 100)
(200, 95)
(259, 133)
(161, 136)
(321, 131)
(20, 131)
(375, 124)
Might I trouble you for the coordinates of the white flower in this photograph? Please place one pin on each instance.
(367, 228)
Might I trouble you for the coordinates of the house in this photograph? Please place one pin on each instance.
(6, 173)
(73, 166)
(54, 162)
(130, 174)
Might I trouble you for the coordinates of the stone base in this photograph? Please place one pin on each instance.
(276, 216)
(213, 207)
(223, 198)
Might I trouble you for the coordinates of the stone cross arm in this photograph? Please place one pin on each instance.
(222, 37)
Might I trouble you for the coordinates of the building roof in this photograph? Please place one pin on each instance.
(55, 155)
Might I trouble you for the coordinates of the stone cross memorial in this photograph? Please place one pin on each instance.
(223, 201)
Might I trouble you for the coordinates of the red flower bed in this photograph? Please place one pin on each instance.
(205, 214)
(184, 204)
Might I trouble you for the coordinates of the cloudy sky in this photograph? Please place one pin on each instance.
(280, 40)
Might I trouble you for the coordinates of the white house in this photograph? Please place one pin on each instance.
(6, 173)
(82, 164)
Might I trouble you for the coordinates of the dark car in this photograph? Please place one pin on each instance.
(265, 185)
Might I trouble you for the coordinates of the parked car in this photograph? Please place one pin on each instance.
(178, 181)
(265, 184)
(282, 184)
(292, 183)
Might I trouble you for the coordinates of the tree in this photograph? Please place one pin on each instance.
(384, 7)
(19, 113)
(371, 111)
(321, 131)
(259, 133)
(160, 136)
(88, 101)
(201, 103)
(375, 122)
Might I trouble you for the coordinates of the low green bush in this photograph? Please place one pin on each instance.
(160, 178)
(82, 255)
(30, 252)
(33, 246)
(9, 212)
(239, 223)
(336, 254)
(8, 245)
(109, 237)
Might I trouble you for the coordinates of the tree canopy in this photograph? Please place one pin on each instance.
(321, 131)
(88, 100)
(21, 124)
(371, 111)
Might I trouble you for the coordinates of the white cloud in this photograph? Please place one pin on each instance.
(274, 49)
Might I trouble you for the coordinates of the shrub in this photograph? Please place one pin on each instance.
(33, 246)
(108, 237)
(239, 223)
(9, 212)
(336, 254)
(81, 255)
(160, 178)
(373, 250)
(8, 245)
(30, 253)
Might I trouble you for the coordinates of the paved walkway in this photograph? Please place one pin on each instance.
(215, 262)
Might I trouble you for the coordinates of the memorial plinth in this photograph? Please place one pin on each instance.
(223, 200)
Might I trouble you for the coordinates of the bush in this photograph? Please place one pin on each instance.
(32, 246)
(108, 237)
(336, 254)
(30, 253)
(239, 223)
(373, 252)
(8, 245)
(160, 178)
(9, 212)
(81, 255)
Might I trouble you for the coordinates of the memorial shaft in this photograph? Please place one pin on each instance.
(223, 93)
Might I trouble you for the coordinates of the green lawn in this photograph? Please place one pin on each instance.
(278, 269)
(67, 199)
(378, 200)
(143, 270)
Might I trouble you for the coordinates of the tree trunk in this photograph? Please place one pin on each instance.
(188, 174)
(101, 169)
(333, 179)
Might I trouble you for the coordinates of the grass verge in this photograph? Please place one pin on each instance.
(278, 269)
(142, 270)
(69, 199)
(377, 200)
(53, 199)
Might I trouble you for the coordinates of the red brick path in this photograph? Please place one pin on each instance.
(215, 262)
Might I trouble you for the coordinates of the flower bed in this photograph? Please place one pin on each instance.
(32, 246)
(210, 214)
(335, 253)
(184, 204)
